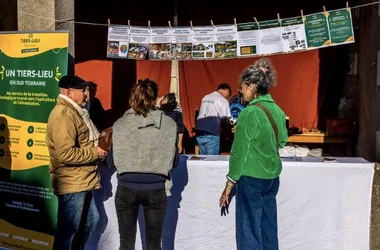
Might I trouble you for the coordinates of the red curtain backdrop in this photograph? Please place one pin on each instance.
(158, 71)
(99, 72)
(296, 92)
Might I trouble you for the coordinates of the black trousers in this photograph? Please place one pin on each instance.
(154, 203)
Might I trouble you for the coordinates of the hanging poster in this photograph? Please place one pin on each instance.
(203, 42)
(293, 34)
(225, 41)
(340, 26)
(317, 30)
(118, 41)
(159, 46)
(31, 65)
(270, 41)
(248, 36)
(181, 43)
(138, 42)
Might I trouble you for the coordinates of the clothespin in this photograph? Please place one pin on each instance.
(109, 22)
(191, 24)
(149, 24)
(302, 13)
(129, 24)
(347, 6)
(278, 18)
(254, 18)
(303, 17)
(235, 22)
(170, 24)
(212, 23)
(324, 10)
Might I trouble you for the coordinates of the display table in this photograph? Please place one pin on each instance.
(321, 138)
(321, 205)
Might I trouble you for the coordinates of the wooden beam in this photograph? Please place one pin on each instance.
(368, 92)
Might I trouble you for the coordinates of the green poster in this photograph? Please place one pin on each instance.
(317, 30)
(340, 26)
(30, 67)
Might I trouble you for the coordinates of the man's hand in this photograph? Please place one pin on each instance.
(180, 148)
(233, 129)
(102, 154)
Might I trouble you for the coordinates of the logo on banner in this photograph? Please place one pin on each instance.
(2, 72)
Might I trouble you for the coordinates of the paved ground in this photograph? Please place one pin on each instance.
(375, 220)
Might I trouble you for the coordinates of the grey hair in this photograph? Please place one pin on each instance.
(262, 74)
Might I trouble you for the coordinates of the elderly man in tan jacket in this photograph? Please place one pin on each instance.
(73, 169)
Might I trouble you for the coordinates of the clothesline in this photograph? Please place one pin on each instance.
(72, 20)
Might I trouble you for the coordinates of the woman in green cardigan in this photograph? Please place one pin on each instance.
(255, 164)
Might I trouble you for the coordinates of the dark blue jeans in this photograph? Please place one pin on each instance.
(256, 214)
(77, 219)
(208, 144)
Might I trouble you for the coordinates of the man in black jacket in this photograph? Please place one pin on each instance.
(95, 108)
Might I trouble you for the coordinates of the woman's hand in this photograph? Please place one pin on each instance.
(159, 100)
(224, 199)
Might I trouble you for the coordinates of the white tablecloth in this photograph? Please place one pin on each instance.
(320, 206)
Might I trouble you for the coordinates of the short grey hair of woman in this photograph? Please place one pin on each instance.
(262, 74)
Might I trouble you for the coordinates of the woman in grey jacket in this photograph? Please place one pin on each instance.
(144, 149)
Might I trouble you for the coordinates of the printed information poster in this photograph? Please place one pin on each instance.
(293, 34)
(248, 36)
(118, 41)
(160, 40)
(203, 42)
(317, 30)
(138, 43)
(31, 65)
(181, 43)
(226, 41)
(270, 41)
(340, 26)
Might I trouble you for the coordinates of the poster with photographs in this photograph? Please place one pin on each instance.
(270, 41)
(203, 42)
(181, 46)
(317, 31)
(293, 34)
(118, 41)
(340, 26)
(138, 43)
(159, 46)
(248, 37)
(226, 37)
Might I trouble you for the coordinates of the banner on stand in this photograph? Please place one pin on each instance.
(31, 65)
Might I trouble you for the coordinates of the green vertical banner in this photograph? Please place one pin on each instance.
(31, 65)
(317, 30)
(340, 26)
